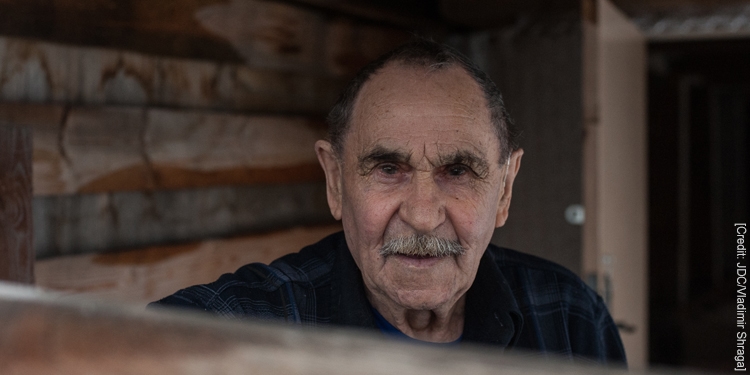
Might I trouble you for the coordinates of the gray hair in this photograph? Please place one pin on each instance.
(434, 56)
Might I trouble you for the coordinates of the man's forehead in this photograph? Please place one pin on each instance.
(398, 86)
(405, 109)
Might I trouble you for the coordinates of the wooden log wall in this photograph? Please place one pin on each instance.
(106, 149)
(180, 121)
(95, 223)
(32, 71)
(148, 274)
(286, 36)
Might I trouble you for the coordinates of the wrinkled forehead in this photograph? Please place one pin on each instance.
(421, 104)
(398, 86)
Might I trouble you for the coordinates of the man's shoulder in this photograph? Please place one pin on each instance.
(548, 294)
(265, 290)
(311, 263)
(513, 259)
(306, 266)
(543, 279)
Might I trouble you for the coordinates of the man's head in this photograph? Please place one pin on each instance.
(430, 56)
(421, 157)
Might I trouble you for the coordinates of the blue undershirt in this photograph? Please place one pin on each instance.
(389, 330)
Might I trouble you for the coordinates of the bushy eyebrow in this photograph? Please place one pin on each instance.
(477, 163)
(381, 154)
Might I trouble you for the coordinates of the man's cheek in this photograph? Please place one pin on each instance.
(368, 217)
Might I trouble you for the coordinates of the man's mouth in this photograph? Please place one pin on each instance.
(418, 261)
(420, 256)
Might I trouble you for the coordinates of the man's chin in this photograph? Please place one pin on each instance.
(422, 300)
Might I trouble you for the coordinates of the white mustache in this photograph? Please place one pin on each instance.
(422, 245)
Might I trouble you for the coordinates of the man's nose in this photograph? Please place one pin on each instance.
(423, 208)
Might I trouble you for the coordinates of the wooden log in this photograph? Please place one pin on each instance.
(44, 334)
(104, 149)
(16, 250)
(32, 71)
(416, 15)
(166, 27)
(639, 8)
(260, 33)
(151, 273)
(97, 223)
(294, 38)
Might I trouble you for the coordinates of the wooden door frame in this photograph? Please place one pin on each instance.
(615, 242)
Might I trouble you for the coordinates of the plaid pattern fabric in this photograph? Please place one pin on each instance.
(517, 300)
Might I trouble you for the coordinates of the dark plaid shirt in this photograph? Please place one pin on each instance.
(517, 300)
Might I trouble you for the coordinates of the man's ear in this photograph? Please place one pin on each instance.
(513, 167)
(332, 168)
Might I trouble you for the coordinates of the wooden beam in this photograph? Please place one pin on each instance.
(45, 334)
(32, 71)
(16, 250)
(494, 14)
(479, 14)
(635, 8)
(98, 223)
(103, 149)
(420, 15)
(259, 33)
(148, 274)
(167, 27)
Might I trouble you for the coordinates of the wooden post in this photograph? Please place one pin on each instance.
(16, 250)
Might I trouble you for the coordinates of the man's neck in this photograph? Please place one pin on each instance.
(444, 324)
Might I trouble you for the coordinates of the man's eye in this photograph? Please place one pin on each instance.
(457, 170)
(388, 169)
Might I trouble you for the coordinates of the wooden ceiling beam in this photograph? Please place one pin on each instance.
(156, 27)
(636, 8)
(218, 30)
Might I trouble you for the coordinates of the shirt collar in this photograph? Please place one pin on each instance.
(492, 313)
(349, 307)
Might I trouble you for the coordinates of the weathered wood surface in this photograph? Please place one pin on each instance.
(152, 273)
(16, 227)
(44, 333)
(262, 34)
(32, 71)
(635, 8)
(424, 16)
(104, 149)
(273, 34)
(95, 223)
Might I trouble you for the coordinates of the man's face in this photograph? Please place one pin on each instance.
(420, 157)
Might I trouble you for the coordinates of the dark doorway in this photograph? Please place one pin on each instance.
(699, 111)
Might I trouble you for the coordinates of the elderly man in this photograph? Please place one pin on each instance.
(419, 166)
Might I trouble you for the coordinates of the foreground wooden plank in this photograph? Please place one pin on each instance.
(104, 149)
(32, 71)
(16, 250)
(44, 334)
(149, 274)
